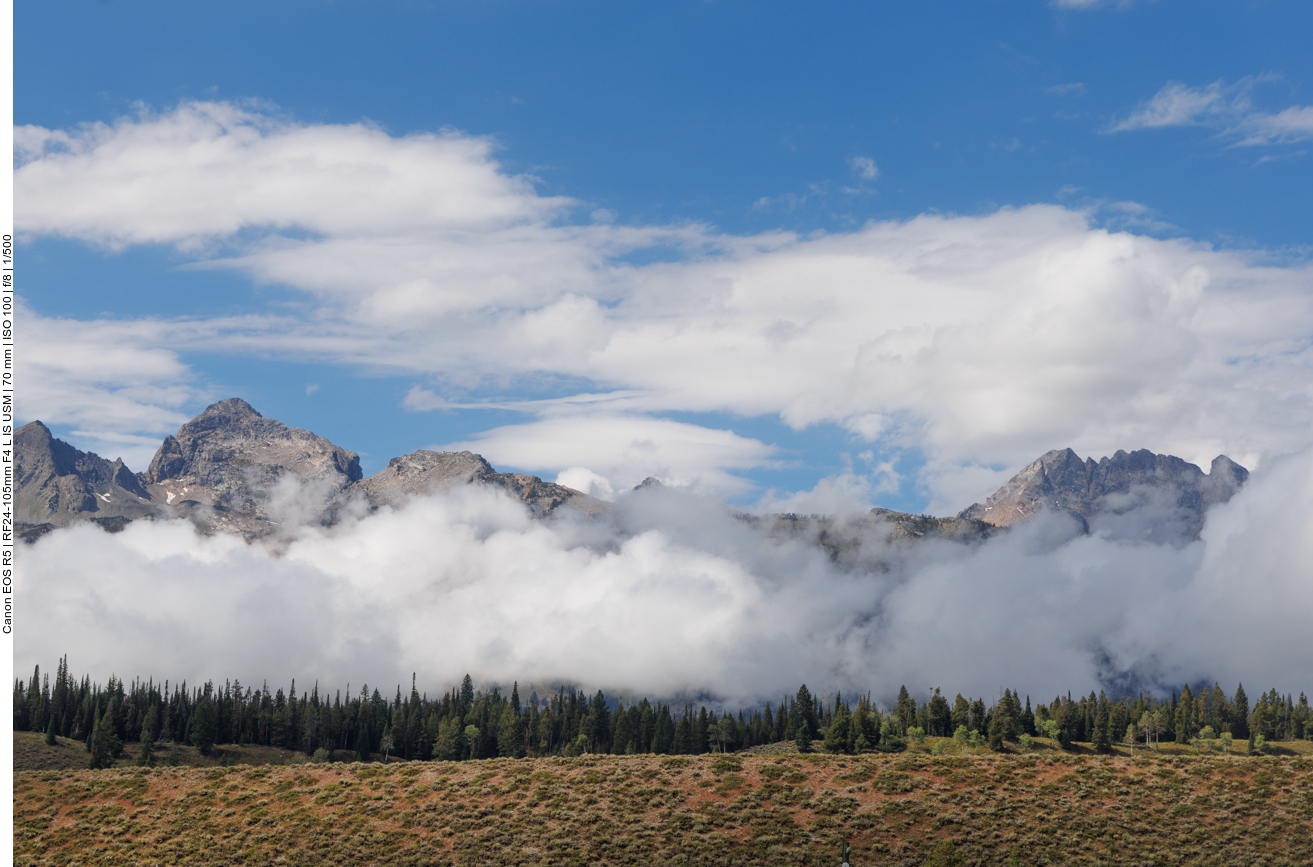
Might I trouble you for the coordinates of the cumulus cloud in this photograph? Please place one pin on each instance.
(242, 168)
(1229, 109)
(669, 594)
(623, 450)
(980, 341)
(109, 379)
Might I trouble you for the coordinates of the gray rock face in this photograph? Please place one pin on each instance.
(849, 540)
(1060, 481)
(425, 472)
(57, 484)
(231, 469)
(232, 459)
(905, 527)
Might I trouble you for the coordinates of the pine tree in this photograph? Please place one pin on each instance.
(50, 733)
(836, 736)
(204, 725)
(466, 695)
(102, 744)
(905, 710)
(684, 734)
(146, 756)
(804, 715)
(938, 716)
(1183, 723)
(1240, 714)
(961, 717)
(1102, 739)
(998, 726)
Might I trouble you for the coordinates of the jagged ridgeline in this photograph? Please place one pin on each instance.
(466, 723)
(230, 469)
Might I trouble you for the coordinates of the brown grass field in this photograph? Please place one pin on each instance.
(1049, 807)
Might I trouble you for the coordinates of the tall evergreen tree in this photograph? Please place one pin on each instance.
(1102, 740)
(466, 695)
(804, 715)
(1183, 724)
(938, 716)
(802, 740)
(1000, 722)
(905, 710)
(1240, 714)
(103, 745)
(836, 735)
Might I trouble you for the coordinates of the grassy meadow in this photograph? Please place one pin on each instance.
(1047, 807)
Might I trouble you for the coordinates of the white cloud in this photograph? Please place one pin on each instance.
(669, 594)
(243, 169)
(623, 450)
(1229, 109)
(983, 341)
(865, 168)
(1089, 4)
(110, 379)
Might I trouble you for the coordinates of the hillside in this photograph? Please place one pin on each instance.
(1048, 808)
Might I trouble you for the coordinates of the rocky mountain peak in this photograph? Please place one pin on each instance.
(57, 484)
(426, 472)
(233, 458)
(1060, 481)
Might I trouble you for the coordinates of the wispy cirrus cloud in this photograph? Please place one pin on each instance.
(1228, 109)
(1088, 4)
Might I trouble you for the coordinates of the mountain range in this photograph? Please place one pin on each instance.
(230, 469)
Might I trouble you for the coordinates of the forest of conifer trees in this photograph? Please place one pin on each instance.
(467, 723)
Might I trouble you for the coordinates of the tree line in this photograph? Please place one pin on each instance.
(466, 723)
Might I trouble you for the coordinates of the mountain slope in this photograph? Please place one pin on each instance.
(426, 472)
(57, 484)
(1059, 481)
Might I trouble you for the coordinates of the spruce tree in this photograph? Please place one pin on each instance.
(961, 717)
(905, 710)
(997, 727)
(1183, 724)
(1240, 714)
(836, 736)
(50, 733)
(1102, 739)
(204, 725)
(804, 714)
(466, 695)
(684, 734)
(938, 716)
(146, 756)
(101, 743)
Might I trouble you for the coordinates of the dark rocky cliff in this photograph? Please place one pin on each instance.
(57, 484)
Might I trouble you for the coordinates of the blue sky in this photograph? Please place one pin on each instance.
(982, 230)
